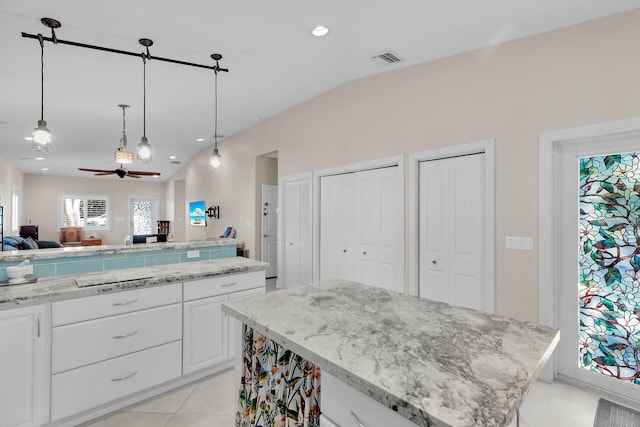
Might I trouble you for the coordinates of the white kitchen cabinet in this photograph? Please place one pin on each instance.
(107, 347)
(343, 405)
(361, 227)
(205, 335)
(23, 388)
(206, 329)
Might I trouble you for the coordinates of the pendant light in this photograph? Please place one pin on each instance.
(42, 135)
(122, 155)
(215, 158)
(144, 149)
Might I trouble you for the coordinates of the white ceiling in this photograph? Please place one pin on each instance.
(273, 60)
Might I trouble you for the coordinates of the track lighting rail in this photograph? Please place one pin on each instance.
(147, 55)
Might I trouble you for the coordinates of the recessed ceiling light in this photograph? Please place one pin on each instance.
(39, 158)
(44, 169)
(320, 31)
(200, 139)
(172, 157)
(28, 138)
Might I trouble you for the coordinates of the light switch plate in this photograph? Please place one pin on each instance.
(520, 243)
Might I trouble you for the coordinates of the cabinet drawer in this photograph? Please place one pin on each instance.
(94, 307)
(225, 284)
(81, 344)
(340, 402)
(83, 388)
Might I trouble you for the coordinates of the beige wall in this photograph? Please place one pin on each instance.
(579, 75)
(10, 177)
(41, 201)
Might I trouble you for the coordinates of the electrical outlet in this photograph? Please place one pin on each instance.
(520, 243)
(193, 254)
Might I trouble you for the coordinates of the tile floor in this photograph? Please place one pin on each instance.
(210, 402)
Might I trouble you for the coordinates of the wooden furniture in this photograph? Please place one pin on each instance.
(91, 242)
(71, 236)
(29, 231)
(163, 227)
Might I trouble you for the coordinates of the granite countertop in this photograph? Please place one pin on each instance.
(73, 286)
(435, 364)
(74, 251)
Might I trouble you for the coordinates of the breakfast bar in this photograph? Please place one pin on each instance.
(424, 362)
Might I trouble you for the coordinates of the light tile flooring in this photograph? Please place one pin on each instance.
(210, 402)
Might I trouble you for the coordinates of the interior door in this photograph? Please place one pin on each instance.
(451, 230)
(296, 211)
(270, 229)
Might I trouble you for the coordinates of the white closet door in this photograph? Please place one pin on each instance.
(451, 210)
(337, 227)
(296, 239)
(377, 228)
(360, 228)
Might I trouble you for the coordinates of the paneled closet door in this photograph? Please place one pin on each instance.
(296, 238)
(360, 226)
(338, 212)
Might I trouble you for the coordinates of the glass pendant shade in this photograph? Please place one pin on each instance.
(215, 159)
(144, 150)
(123, 157)
(41, 137)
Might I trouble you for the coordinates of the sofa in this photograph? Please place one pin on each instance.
(13, 243)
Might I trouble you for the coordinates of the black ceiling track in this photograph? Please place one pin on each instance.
(50, 23)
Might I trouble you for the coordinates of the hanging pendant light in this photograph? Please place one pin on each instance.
(121, 154)
(144, 149)
(42, 138)
(215, 158)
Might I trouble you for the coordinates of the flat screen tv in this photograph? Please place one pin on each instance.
(197, 214)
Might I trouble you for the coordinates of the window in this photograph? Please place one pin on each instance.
(92, 212)
(143, 214)
(15, 212)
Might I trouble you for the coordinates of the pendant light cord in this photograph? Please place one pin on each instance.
(144, 96)
(41, 40)
(215, 119)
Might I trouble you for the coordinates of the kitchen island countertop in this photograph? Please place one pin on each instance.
(435, 364)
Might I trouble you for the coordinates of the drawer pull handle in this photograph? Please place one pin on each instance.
(126, 377)
(228, 285)
(125, 302)
(124, 335)
(356, 420)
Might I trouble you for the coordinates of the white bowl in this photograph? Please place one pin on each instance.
(16, 272)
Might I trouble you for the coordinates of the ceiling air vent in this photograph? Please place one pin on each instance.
(175, 162)
(387, 58)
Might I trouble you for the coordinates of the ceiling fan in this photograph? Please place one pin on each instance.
(121, 172)
(122, 156)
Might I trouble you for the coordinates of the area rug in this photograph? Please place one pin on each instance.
(611, 414)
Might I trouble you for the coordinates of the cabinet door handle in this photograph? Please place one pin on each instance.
(38, 325)
(228, 285)
(124, 335)
(126, 377)
(356, 420)
(125, 302)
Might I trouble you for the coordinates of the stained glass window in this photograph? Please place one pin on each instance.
(143, 218)
(609, 265)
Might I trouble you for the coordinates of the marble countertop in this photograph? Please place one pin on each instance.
(74, 251)
(73, 286)
(435, 364)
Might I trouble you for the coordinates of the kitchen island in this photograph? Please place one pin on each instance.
(431, 363)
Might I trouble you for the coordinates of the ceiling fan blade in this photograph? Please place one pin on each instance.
(95, 170)
(143, 173)
(132, 176)
(104, 173)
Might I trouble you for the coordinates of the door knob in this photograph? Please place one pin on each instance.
(364, 252)
(265, 235)
(344, 250)
(434, 262)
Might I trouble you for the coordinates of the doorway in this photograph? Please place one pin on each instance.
(270, 229)
(598, 262)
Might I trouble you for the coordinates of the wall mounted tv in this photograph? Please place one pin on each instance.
(197, 214)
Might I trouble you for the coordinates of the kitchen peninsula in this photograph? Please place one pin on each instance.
(391, 359)
(107, 326)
